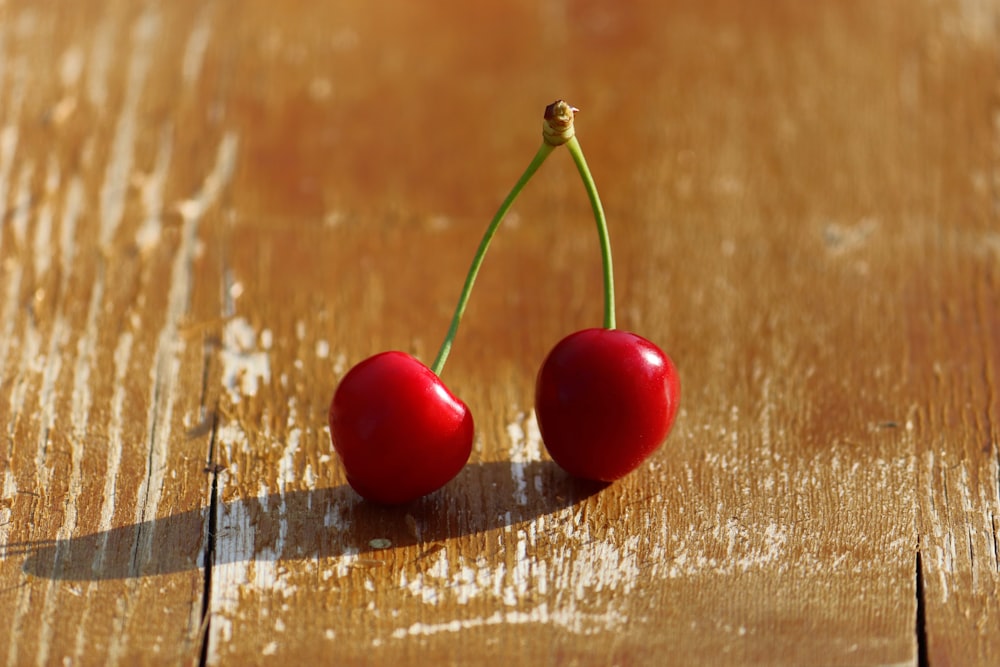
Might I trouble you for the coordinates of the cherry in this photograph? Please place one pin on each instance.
(399, 432)
(605, 400)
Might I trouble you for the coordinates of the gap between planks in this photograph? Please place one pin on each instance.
(213, 508)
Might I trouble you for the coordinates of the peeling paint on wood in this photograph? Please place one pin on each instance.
(210, 211)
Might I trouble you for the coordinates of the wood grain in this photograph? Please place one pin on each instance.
(212, 210)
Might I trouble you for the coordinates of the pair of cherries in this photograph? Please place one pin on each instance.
(605, 399)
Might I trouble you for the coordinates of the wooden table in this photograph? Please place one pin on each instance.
(211, 210)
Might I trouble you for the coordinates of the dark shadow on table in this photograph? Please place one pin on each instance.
(321, 523)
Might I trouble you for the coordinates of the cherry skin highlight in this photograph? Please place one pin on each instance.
(399, 432)
(605, 400)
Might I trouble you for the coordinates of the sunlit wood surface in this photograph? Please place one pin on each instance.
(212, 209)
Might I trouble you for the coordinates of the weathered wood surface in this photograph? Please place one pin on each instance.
(211, 210)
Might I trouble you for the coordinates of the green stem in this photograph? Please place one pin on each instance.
(477, 261)
(602, 230)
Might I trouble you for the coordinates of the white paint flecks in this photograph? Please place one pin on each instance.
(587, 567)
(117, 172)
(113, 462)
(966, 555)
(8, 146)
(234, 551)
(30, 364)
(42, 241)
(525, 448)
(196, 46)
(264, 572)
(286, 466)
(81, 397)
(166, 369)
(235, 290)
(334, 518)
(571, 620)
(47, 396)
(7, 493)
(152, 194)
(71, 66)
(7, 318)
(244, 366)
(13, 102)
(239, 568)
(72, 208)
(344, 564)
(102, 52)
(309, 478)
(65, 531)
(217, 179)
(22, 202)
(233, 440)
(340, 365)
(581, 562)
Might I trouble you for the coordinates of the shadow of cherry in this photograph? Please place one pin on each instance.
(312, 524)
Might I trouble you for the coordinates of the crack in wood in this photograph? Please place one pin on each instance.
(921, 624)
(971, 535)
(213, 507)
(143, 525)
(994, 520)
(996, 542)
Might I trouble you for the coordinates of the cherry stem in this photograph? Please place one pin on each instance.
(470, 279)
(573, 146)
(557, 129)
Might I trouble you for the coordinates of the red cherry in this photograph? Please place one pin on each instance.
(605, 400)
(399, 432)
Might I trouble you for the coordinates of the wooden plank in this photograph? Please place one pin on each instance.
(954, 338)
(213, 209)
(776, 527)
(104, 488)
